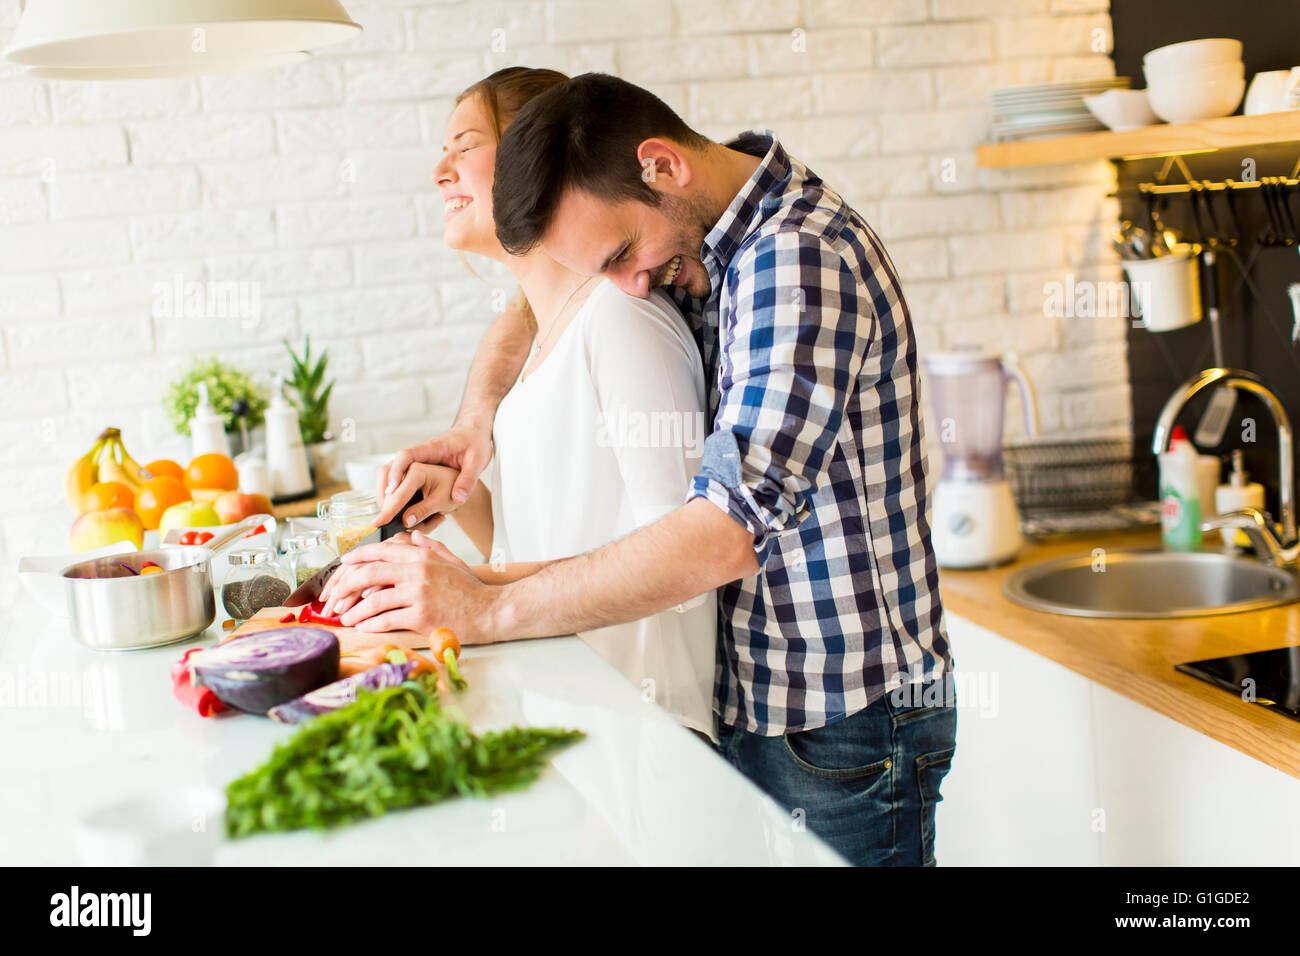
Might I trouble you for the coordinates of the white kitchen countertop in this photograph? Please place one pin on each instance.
(81, 728)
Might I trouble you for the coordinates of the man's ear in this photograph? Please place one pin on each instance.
(665, 166)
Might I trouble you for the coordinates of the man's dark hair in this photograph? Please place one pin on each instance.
(582, 133)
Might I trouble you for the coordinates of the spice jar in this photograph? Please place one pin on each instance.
(255, 580)
(305, 554)
(351, 516)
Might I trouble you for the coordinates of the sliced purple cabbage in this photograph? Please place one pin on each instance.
(340, 693)
(255, 672)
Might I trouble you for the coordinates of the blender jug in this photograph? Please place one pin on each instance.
(975, 521)
(969, 395)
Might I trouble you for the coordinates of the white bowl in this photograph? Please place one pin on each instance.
(1193, 53)
(1215, 73)
(363, 474)
(1189, 102)
(1122, 109)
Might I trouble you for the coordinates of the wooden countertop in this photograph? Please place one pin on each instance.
(1137, 657)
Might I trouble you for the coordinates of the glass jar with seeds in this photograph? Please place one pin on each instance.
(254, 580)
(351, 516)
(307, 553)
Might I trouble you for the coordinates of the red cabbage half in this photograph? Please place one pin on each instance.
(340, 693)
(255, 672)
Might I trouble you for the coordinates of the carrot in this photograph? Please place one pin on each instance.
(444, 639)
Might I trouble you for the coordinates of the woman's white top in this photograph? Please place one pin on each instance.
(604, 437)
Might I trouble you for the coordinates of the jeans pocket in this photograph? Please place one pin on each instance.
(831, 753)
(931, 768)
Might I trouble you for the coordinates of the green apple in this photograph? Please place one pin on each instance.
(188, 514)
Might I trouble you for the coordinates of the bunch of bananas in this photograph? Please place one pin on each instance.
(107, 460)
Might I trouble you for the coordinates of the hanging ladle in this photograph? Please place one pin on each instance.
(1218, 412)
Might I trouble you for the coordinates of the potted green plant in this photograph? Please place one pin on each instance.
(309, 393)
(229, 389)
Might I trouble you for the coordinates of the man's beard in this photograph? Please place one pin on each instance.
(693, 219)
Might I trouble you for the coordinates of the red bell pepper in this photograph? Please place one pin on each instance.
(200, 699)
(314, 613)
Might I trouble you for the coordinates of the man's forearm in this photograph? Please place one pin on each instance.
(497, 364)
(692, 550)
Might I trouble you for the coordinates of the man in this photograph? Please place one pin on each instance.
(810, 510)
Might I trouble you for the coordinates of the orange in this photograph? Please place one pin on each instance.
(156, 496)
(212, 471)
(165, 468)
(107, 494)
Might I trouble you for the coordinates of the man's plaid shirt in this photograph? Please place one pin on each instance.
(818, 448)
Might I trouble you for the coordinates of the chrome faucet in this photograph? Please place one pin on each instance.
(1258, 527)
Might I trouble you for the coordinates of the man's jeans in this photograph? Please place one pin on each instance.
(867, 784)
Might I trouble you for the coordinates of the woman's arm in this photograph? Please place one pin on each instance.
(435, 484)
(475, 518)
(467, 445)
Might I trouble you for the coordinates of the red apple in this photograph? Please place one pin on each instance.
(96, 529)
(236, 506)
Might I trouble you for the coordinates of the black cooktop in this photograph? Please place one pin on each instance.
(1268, 678)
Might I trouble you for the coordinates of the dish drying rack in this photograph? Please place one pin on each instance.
(1074, 487)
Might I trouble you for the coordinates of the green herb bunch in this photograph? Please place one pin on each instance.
(311, 393)
(226, 386)
(390, 749)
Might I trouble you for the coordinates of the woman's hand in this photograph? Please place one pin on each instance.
(396, 585)
(435, 483)
(464, 449)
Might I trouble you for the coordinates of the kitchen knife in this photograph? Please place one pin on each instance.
(311, 588)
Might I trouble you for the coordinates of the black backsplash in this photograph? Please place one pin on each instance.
(1253, 278)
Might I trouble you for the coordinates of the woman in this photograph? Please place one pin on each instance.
(600, 435)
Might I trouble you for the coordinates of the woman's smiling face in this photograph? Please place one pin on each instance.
(464, 177)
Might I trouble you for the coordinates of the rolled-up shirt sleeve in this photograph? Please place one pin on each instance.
(793, 333)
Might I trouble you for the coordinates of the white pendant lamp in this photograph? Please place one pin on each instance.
(132, 39)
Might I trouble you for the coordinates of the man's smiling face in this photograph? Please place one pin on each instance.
(633, 244)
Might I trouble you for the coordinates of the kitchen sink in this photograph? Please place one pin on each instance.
(1152, 583)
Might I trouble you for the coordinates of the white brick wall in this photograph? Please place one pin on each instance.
(313, 182)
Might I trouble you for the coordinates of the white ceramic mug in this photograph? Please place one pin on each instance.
(1267, 93)
(1292, 101)
(1166, 290)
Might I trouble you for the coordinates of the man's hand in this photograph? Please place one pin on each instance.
(465, 448)
(409, 582)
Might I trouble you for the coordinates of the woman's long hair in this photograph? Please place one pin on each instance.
(503, 95)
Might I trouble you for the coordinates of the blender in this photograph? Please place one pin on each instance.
(975, 522)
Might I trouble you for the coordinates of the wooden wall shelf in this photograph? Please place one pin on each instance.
(1229, 132)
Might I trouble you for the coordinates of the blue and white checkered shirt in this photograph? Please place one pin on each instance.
(818, 448)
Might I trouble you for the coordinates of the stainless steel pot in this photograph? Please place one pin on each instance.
(112, 609)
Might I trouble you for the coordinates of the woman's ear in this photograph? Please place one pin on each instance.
(665, 166)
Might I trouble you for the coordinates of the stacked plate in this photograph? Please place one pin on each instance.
(1054, 109)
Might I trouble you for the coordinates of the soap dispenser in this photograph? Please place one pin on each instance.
(1180, 494)
(207, 428)
(1238, 493)
(286, 458)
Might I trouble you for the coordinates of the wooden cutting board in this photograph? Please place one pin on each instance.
(350, 639)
